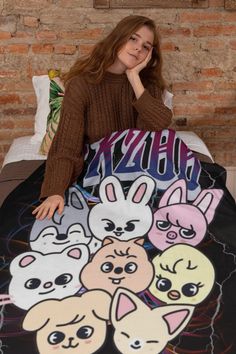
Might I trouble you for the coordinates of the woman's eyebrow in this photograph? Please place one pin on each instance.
(138, 35)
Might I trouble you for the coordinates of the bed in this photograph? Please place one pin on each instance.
(142, 259)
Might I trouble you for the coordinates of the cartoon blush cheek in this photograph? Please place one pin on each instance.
(88, 341)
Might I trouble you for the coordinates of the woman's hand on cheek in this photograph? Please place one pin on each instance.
(136, 69)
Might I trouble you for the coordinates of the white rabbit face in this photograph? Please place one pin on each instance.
(36, 277)
(126, 224)
(119, 216)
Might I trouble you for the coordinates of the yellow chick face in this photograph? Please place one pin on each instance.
(183, 275)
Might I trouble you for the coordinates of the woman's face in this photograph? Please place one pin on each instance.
(136, 49)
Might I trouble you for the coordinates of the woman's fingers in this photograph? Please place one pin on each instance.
(48, 207)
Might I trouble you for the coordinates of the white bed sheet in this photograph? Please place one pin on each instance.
(23, 149)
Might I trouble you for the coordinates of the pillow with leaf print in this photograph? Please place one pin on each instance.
(56, 94)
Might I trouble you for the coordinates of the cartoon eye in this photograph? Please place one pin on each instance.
(130, 226)
(163, 284)
(33, 283)
(110, 225)
(56, 337)
(85, 332)
(63, 279)
(107, 267)
(163, 225)
(186, 233)
(190, 289)
(131, 267)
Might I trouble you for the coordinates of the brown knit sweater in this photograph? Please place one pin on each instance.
(92, 111)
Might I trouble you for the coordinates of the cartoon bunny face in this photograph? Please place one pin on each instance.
(36, 277)
(118, 263)
(183, 275)
(64, 230)
(76, 324)
(119, 216)
(176, 221)
(139, 329)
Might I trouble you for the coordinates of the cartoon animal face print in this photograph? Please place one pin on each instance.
(36, 277)
(139, 329)
(119, 216)
(176, 221)
(183, 275)
(76, 324)
(63, 230)
(118, 263)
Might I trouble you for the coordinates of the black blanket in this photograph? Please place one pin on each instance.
(142, 260)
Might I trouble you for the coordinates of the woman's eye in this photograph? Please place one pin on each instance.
(186, 233)
(163, 225)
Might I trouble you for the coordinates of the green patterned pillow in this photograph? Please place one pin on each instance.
(56, 94)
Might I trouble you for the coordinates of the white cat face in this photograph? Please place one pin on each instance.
(36, 277)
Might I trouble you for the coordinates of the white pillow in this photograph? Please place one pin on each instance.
(41, 86)
(167, 98)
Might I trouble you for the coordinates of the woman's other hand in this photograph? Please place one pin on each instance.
(48, 207)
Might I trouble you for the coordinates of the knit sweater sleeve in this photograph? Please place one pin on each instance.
(65, 154)
(153, 115)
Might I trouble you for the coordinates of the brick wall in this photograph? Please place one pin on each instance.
(199, 49)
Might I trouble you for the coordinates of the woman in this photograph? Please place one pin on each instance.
(118, 86)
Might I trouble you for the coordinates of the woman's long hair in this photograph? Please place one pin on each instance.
(103, 55)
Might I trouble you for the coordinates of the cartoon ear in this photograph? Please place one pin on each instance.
(111, 190)
(207, 201)
(138, 240)
(176, 318)
(38, 315)
(100, 302)
(124, 302)
(108, 240)
(77, 200)
(141, 190)
(23, 260)
(175, 194)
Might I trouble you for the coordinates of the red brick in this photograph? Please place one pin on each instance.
(42, 48)
(19, 111)
(6, 124)
(203, 16)
(193, 86)
(5, 35)
(226, 110)
(181, 31)
(211, 72)
(233, 44)
(17, 48)
(46, 35)
(214, 30)
(65, 49)
(85, 49)
(10, 98)
(192, 110)
(30, 21)
(88, 33)
(9, 73)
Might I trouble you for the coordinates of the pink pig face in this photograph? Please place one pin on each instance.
(175, 224)
(177, 221)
